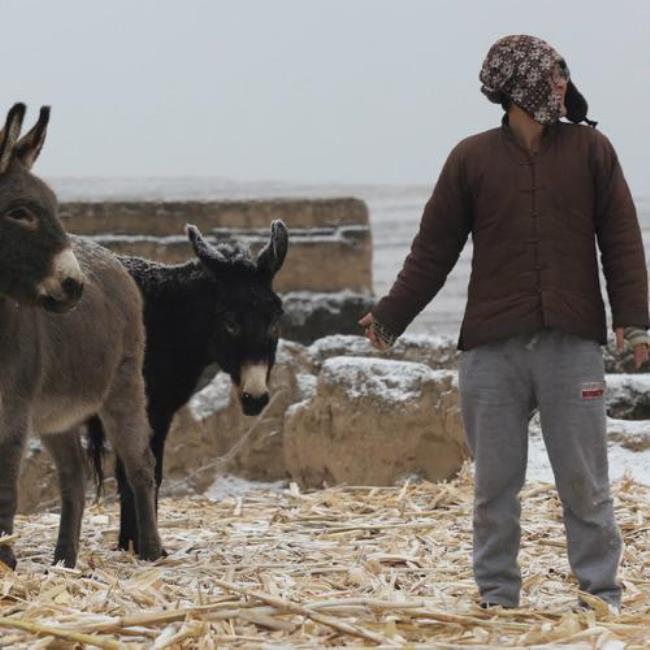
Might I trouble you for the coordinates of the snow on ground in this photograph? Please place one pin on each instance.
(228, 485)
(620, 385)
(633, 463)
(622, 461)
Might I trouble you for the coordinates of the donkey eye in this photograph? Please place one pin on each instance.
(232, 329)
(21, 215)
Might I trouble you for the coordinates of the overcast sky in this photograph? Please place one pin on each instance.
(309, 91)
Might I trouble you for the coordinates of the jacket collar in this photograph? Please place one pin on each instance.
(548, 135)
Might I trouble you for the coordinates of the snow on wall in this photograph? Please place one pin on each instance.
(301, 305)
(360, 345)
(213, 398)
(306, 385)
(620, 386)
(393, 382)
(357, 346)
(425, 341)
(287, 350)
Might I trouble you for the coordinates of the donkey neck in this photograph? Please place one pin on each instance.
(9, 319)
(177, 301)
(14, 319)
(176, 298)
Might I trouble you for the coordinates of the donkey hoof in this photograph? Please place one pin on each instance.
(7, 557)
(67, 556)
(151, 551)
(127, 543)
(129, 547)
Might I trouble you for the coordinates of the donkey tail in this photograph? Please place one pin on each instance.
(96, 438)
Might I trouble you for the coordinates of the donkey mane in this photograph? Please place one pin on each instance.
(155, 277)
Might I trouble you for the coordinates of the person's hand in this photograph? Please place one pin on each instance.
(366, 322)
(640, 349)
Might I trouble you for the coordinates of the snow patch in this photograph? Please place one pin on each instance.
(624, 386)
(306, 385)
(228, 485)
(630, 427)
(348, 235)
(288, 350)
(296, 407)
(425, 341)
(299, 306)
(393, 382)
(622, 460)
(357, 346)
(432, 350)
(325, 296)
(213, 398)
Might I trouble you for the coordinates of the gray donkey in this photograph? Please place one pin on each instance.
(57, 369)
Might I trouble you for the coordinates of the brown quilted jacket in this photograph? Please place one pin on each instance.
(534, 221)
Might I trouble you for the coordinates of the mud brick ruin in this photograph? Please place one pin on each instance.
(326, 281)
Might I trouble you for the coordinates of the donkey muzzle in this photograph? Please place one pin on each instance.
(62, 289)
(254, 393)
(253, 405)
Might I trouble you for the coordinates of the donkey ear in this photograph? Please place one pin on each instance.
(30, 145)
(271, 257)
(203, 250)
(9, 134)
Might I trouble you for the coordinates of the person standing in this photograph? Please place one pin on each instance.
(536, 195)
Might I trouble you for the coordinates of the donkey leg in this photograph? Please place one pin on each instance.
(128, 434)
(128, 520)
(13, 432)
(70, 466)
(158, 448)
(124, 417)
(161, 425)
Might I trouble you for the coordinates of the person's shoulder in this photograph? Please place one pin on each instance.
(584, 133)
(479, 140)
(579, 137)
(476, 143)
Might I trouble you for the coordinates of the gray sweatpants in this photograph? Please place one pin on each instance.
(500, 384)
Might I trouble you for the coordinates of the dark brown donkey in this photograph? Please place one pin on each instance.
(57, 369)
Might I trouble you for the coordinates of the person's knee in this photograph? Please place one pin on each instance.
(585, 499)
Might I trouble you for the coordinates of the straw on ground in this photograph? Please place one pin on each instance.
(348, 566)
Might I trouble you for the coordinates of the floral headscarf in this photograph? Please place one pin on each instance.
(519, 67)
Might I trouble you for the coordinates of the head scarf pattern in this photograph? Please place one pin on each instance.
(519, 67)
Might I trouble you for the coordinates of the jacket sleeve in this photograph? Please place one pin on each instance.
(619, 239)
(445, 225)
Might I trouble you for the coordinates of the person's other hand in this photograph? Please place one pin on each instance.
(640, 349)
(366, 322)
